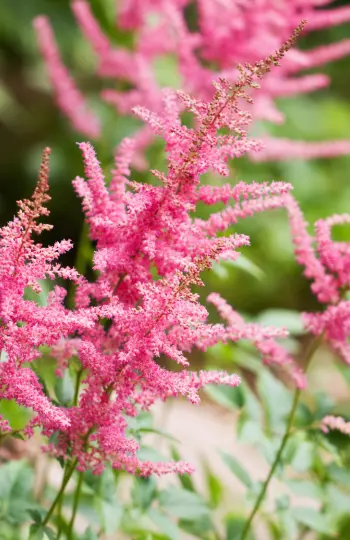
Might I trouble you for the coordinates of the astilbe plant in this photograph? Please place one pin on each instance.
(149, 252)
(136, 230)
(225, 34)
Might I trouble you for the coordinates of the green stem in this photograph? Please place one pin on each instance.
(309, 354)
(59, 506)
(75, 506)
(77, 386)
(57, 499)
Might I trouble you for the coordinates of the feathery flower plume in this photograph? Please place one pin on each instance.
(69, 99)
(226, 34)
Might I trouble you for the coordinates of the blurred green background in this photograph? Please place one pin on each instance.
(29, 120)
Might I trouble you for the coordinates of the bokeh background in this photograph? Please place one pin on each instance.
(30, 120)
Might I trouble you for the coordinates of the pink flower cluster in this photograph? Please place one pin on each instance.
(327, 265)
(149, 251)
(223, 35)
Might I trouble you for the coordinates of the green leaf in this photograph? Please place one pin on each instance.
(146, 453)
(214, 487)
(110, 515)
(183, 504)
(252, 406)
(273, 392)
(338, 474)
(199, 528)
(89, 534)
(185, 479)
(234, 528)
(143, 491)
(164, 524)
(64, 388)
(36, 532)
(313, 519)
(237, 469)
(282, 318)
(227, 396)
(305, 488)
(35, 515)
(166, 70)
(245, 264)
(107, 487)
(49, 533)
(303, 456)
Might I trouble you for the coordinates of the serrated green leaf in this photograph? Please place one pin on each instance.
(183, 504)
(237, 469)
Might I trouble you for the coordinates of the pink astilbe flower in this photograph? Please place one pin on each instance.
(140, 309)
(24, 325)
(263, 338)
(145, 230)
(69, 98)
(227, 33)
(335, 422)
(327, 264)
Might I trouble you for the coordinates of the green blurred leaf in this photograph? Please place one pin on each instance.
(314, 520)
(273, 392)
(143, 491)
(35, 515)
(167, 71)
(183, 504)
(36, 532)
(185, 479)
(245, 264)
(111, 514)
(165, 524)
(282, 318)
(338, 474)
(303, 456)
(305, 488)
(146, 453)
(199, 528)
(234, 528)
(214, 487)
(89, 534)
(16, 415)
(237, 469)
(64, 388)
(227, 396)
